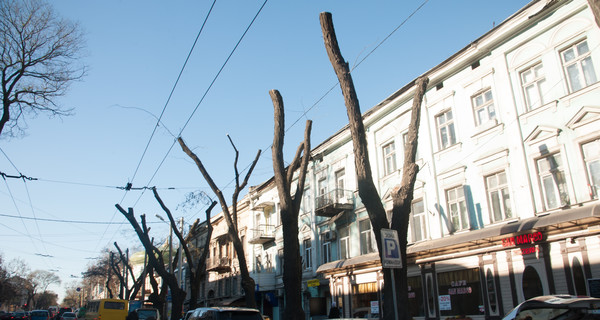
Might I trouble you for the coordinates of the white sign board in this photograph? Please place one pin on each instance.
(391, 249)
(445, 302)
(374, 307)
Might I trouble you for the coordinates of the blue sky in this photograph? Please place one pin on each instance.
(135, 51)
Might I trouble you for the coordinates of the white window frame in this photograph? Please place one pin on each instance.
(589, 160)
(484, 109)
(554, 174)
(537, 85)
(389, 158)
(448, 126)
(421, 217)
(498, 191)
(577, 64)
(340, 177)
(344, 242)
(455, 198)
(326, 251)
(366, 236)
(307, 257)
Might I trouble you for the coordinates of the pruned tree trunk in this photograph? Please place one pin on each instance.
(155, 258)
(595, 7)
(231, 217)
(290, 208)
(401, 196)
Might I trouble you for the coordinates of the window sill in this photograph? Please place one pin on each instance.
(453, 148)
(485, 130)
(550, 106)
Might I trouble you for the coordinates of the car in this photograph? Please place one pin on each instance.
(6, 316)
(187, 315)
(556, 307)
(40, 315)
(147, 313)
(226, 313)
(68, 316)
(19, 315)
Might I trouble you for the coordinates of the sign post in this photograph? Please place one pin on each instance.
(391, 257)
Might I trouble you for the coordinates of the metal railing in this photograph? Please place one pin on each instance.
(263, 230)
(335, 196)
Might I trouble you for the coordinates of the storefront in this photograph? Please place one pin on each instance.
(482, 274)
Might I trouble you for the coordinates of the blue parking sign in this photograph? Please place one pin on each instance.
(391, 249)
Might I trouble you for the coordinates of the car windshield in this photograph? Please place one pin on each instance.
(239, 315)
(144, 314)
(39, 313)
(19, 314)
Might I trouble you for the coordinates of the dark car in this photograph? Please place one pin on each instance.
(556, 307)
(226, 313)
(19, 315)
(6, 316)
(147, 313)
(39, 315)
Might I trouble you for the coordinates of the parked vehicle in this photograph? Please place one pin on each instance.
(106, 309)
(226, 313)
(19, 315)
(68, 316)
(556, 307)
(40, 315)
(147, 313)
(5, 316)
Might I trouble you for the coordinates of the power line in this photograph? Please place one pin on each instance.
(66, 221)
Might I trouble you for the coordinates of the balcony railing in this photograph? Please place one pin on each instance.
(334, 202)
(218, 264)
(262, 234)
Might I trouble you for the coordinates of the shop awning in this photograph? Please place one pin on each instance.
(360, 261)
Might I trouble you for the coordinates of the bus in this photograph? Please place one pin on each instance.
(106, 309)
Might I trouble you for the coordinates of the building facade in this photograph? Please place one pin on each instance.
(506, 201)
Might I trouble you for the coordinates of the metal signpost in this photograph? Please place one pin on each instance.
(391, 256)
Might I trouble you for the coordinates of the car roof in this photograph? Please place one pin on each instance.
(222, 309)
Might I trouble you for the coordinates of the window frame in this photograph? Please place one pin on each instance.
(448, 124)
(594, 188)
(550, 173)
(307, 256)
(390, 160)
(577, 61)
(366, 235)
(498, 189)
(344, 242)
(487, 106)
(463, 215)
(422, 216)
(537, 84)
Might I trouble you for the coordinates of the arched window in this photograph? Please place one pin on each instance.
(491, 291)
(578, 278)
(532, 285)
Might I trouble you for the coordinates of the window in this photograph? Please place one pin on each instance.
(535, 86)
(552, 179)
(498, 197)
(306, 202)
(258, 264)
(491, 291)
(418, 222)
(326, 251)
(389, 158)
(591, 157)
(307, 254)
(463, 289)
(416, 303)
(280, 261)
(532, 285)
(578, 66)
(483, 108)
(345, 243)
(445, 126)
(340, 176)
(457, 207)
(322, 193)
(366, 237)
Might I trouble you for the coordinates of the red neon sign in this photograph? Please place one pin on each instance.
(527, 238)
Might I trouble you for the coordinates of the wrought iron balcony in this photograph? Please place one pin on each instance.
(334, 202)
(263, 234)
(218, 264)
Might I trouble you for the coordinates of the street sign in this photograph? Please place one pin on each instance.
(391, 249)
(313, 283)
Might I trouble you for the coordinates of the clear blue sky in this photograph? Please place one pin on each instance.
(135, 50)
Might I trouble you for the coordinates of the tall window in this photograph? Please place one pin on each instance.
(498, 196)
(389, 158)
(535, 86)
(578, 66)
(344, 243)
(307, 254)
(306, 202)
(418, 222)
(340, 176)
(483, 107)
(326, 252)
(445, 126)
(552, 179)
(457, 207)
(366, 237)
(591, 157)
(280, 261)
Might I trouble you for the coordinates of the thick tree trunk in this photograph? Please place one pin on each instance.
(402, 196)
(290, 208)
(595, 6)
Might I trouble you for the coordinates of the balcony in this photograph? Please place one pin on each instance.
(263, 234)
(220, 264)
(334, 202)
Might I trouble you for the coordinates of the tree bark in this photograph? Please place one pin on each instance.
(402, 195)
(230, 217)
(289, 208)
(595, 7)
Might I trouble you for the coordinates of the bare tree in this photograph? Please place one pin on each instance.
(290, 207)
(129, 292)
(595, 7)
(156, 260)
(402, 195)
(38, 59)
(231, 217)
(197, 267)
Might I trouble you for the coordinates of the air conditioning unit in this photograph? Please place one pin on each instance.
(329, 235)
